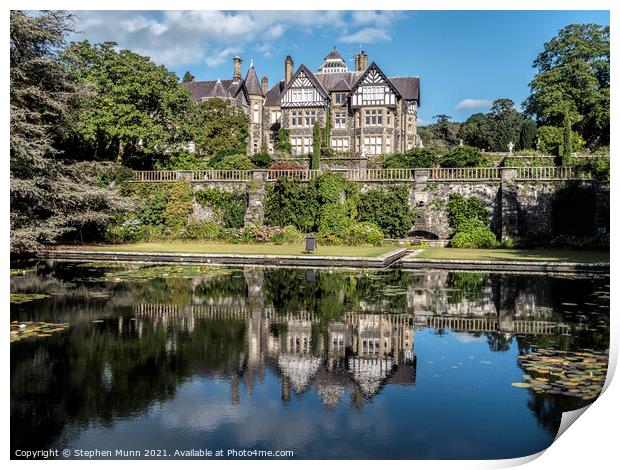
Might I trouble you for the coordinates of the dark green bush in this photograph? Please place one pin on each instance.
(389, 209)
(233, 162)
(473, 234)
(461, 209)
(414, 158)
(464, 156)
(597, 167)
(292, 202)
(261, 159)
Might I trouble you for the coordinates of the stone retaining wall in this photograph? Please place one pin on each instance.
(517, 208)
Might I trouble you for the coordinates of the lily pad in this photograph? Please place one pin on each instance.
(520, 384)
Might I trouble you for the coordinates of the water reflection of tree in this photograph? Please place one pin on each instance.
(146, 365)
(331, 294)
(467, 285)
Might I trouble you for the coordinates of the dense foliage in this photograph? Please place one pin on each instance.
(389, 209)
(462, 209)
(239, 161)
(414, 158)
(464, 156)
(470, 219)
(573, 74)
(217, 125)
(51, 200)
(337, 210)
(230, 206)
(134, 111)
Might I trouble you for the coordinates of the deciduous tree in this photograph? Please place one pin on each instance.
(573, 73)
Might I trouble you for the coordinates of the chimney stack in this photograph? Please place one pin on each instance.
(288, 69)
(263, 85)
(362, 61)
(236, 68)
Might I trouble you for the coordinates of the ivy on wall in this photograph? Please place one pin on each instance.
(231, 206)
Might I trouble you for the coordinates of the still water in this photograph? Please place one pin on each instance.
(326, 364)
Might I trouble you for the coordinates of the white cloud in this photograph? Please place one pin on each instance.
(177, 38)
(220, 56)
(366, 35)
(473, 103)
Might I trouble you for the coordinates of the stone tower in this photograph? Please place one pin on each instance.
(256, 97)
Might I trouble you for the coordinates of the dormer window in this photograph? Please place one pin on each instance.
(340, 98)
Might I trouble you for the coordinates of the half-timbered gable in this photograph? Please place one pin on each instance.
(373, 88)
(304, 90)
(368, 112)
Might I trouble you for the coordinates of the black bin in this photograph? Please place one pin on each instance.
(310, 243)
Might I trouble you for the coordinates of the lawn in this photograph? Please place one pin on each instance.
(514, 255)
(242, 249)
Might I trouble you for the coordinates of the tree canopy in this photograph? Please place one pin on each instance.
(573, 75)
(50, 199)
(217, 126)
(134, 107)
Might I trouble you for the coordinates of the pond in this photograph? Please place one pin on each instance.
(308, 362)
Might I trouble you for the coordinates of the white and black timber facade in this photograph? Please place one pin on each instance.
(370, 113)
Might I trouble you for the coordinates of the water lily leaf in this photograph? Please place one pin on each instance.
(520, 384)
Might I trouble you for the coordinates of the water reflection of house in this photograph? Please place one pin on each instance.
(361, 353)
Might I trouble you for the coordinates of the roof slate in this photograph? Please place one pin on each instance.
(333, 55)
(272, 98)
(251, 82)
(408, 87)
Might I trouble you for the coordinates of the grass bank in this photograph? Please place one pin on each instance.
(515, 255)
(240, 249)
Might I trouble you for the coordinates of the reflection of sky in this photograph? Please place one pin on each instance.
(462, 406)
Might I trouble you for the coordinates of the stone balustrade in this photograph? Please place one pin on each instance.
(550, 173)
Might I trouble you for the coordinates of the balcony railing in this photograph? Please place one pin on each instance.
(550, 173)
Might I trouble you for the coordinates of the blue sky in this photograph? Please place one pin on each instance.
(465, 59)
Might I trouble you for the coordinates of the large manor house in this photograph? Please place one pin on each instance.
(370, 113)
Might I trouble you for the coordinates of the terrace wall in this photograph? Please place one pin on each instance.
(519, 200)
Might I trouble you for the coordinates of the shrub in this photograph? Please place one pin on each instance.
(598, 167)
(335, 214)
(461, 210)
(364, 233)
(233, 162)
(551, 140)
(292, 202)
(261, 159)
(464, 156)
(473, 234)
(414, 158)
(179, 205)
(388, 209)
(153, 201)
(201, 231)
(334, 217)
(527, 161)
(282, 141)
(288, 234)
